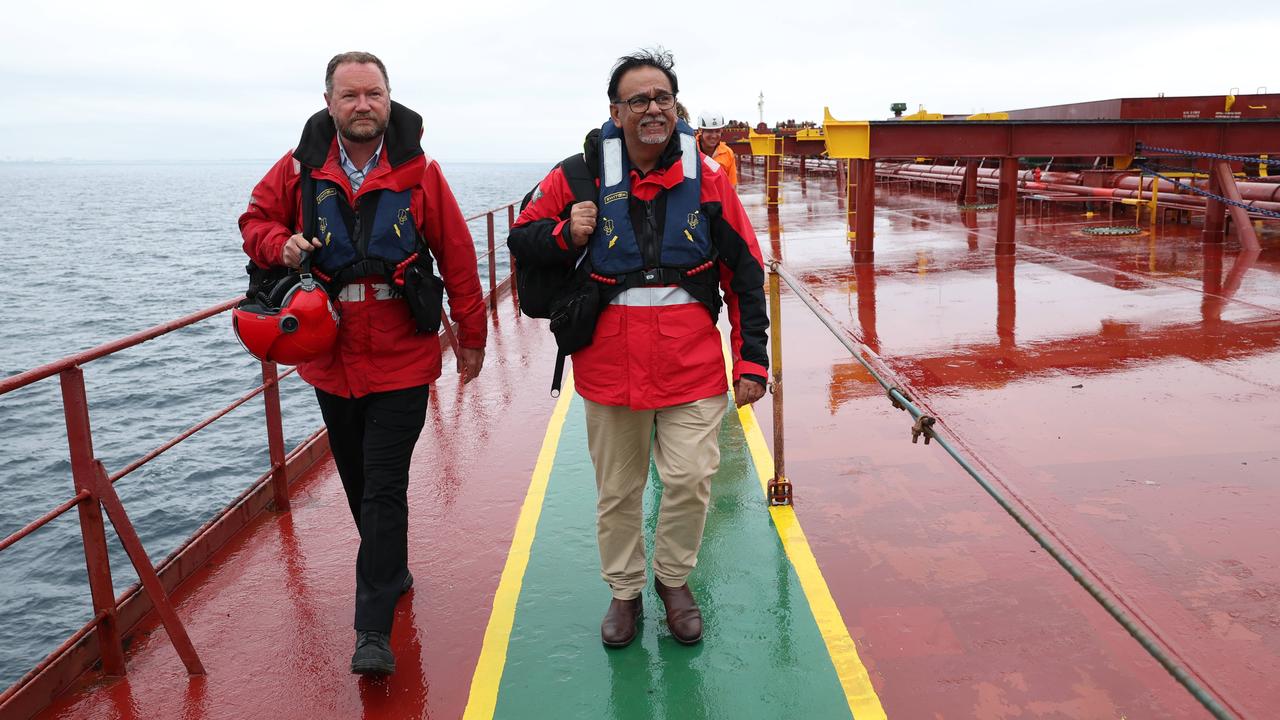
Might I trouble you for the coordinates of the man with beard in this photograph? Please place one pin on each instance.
(661, 236)
(362, 207)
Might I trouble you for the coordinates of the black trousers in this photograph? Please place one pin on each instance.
(372, 439)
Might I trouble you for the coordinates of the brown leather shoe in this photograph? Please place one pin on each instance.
(684, 619)
(621, 621)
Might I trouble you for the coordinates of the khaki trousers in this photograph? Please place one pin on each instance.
(686, 450)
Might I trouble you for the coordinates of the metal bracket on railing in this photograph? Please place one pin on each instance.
(779, 491)
(923, 426)
(894, 400)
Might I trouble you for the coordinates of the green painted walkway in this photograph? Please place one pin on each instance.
(762, 655)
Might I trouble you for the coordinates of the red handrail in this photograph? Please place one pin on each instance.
(22, 379)
(94, 491)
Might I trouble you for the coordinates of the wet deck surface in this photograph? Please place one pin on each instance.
(1127, 390)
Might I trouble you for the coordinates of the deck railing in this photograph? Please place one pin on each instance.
(94, 490)
(927, 425)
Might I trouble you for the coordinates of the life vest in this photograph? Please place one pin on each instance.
(614, 251)
(380, 239)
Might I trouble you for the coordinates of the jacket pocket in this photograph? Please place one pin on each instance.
(687, 352)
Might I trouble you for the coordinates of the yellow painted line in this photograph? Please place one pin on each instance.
(858, 691)
(483, 698)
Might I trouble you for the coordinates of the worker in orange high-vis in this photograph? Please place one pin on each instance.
(710, 126)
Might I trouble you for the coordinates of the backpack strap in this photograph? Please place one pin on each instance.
(582, 183)
(581, 178)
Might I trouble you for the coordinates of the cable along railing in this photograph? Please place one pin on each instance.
(927, 426)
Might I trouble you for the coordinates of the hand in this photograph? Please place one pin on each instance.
(747, 391)
(295, 247)
(582, 222)
(470, 360)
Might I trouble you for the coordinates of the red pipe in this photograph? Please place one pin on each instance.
(1124, 186)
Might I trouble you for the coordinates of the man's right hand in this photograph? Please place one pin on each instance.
(582, 222)
(294, 248)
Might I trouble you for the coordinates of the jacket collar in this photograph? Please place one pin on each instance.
(671, 154)
(400, 144)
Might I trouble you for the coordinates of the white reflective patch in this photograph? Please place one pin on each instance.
(357, 292)
(654, 297)
(612, 162)
(712, 165)
(352, 293)
(689, 152)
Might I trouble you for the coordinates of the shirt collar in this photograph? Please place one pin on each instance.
(350, 167)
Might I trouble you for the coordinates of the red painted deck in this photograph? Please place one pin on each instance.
(1158, 471)
(1126, 389)
(271, 615)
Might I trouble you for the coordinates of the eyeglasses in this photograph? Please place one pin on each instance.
(640, 103)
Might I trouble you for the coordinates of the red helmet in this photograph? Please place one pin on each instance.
(294, 323)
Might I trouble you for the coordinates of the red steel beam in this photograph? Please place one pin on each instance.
(44, 519)
(1215, 212)
(146, 571)
(999, 138)
(1008, 208)
(968, 194)
(275, 436)
(864, 232)
(22, 379)
(75, 406)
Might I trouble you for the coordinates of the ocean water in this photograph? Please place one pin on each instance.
(99, 251)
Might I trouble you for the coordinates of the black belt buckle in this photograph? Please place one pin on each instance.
(650, 277)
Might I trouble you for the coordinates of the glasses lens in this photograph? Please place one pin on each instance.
(640, 103)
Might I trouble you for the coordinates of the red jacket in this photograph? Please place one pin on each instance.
(648, 353)
(377, 349)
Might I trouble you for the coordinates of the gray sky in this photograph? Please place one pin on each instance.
(129, 80)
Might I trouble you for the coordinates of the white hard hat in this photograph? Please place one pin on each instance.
(711, 120)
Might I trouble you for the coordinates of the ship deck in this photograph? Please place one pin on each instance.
(1126, 391)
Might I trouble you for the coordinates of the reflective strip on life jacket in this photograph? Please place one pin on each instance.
(685, 240)
(653, 297)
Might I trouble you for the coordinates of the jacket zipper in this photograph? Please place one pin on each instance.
(652, 239)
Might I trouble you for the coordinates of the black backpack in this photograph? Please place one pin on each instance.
(563, 295)
(538, 286)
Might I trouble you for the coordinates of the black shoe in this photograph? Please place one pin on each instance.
(407, 584)
(373, 654)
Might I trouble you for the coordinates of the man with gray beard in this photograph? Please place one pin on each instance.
(657, 234)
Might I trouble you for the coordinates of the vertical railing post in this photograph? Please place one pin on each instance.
(779, 486)
(493, 266)
(75, 406)
(275, 437)
(511, 259)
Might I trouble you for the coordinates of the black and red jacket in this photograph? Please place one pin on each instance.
(658, 346)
